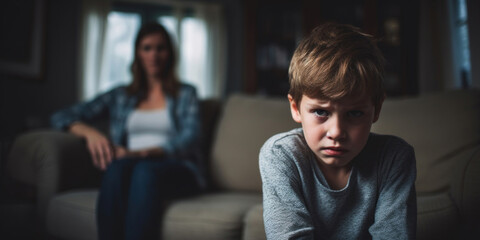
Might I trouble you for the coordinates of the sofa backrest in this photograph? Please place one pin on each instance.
(244, 125)
(440, 126)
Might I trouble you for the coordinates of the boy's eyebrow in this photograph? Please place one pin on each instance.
(327, 103)
(316, 102)
(356, 102)
(360, 105)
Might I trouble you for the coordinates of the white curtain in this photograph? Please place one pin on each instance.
(202, 50)
(94, 23)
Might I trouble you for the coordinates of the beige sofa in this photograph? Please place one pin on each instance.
(444, 129)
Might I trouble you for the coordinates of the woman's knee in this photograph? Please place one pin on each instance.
(170, 178)
(145, 172)
(150, 172)
(117, 170)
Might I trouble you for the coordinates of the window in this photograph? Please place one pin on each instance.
(461, 43)
(196, 31)
(118, 49)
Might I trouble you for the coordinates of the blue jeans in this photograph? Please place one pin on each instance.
(133, 192)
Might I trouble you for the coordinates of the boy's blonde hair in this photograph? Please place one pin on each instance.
(334, 61)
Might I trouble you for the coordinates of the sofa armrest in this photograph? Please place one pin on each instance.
(50, 162)
(465, 190)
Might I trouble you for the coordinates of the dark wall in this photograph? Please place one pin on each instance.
(234, 21)
(26, 103)
(474, 35)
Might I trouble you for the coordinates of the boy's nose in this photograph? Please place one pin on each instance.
(336, 129)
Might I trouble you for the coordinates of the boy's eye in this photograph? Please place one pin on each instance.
(320, 113)
(355, 113)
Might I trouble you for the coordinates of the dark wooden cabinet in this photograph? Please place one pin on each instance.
(274, 28)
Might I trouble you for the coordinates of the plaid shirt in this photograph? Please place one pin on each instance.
(117, 105)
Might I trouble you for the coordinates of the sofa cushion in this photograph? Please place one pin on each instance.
(437, 216)
(438, 126)
(254, 229)
(212, 216)
(246, 123)
(71, 215)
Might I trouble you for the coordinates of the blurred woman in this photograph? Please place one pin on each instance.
(150, 154)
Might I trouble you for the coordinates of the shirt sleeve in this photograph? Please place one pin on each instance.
(84, 111)
(284, 210)
(396, 210)
(188, 120)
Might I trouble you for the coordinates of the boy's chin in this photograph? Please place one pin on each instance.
(335, 162)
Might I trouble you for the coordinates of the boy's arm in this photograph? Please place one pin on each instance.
(284, 211)
(396, 211)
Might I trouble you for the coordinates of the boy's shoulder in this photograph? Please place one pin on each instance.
(284, 152)
(290, 139)
(388, 142)
(289, 144)
(387, 150)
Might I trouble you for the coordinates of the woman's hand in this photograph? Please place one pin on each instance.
(156, 152)
(98, 145)
(121, 152)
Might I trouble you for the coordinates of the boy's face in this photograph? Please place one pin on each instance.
(336, 131)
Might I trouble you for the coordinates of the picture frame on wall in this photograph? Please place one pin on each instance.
(23, 38)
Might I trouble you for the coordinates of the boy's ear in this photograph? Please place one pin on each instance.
(294, 109)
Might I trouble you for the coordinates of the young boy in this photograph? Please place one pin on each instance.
(332, 178)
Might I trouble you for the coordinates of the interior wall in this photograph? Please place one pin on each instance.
(438, 70)
(474, 35)
(235, 46)
(435, 58)
(27, 103)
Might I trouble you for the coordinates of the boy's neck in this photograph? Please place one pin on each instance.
(337, 177)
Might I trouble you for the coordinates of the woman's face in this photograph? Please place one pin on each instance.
(153, 54)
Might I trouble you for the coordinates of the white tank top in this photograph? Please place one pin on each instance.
(148, 128)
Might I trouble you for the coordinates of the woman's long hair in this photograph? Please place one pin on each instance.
(139, 84)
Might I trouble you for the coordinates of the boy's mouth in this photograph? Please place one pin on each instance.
(334, 151)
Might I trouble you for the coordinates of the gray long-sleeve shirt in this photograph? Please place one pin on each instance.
(378, 202)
